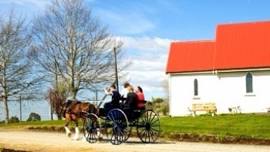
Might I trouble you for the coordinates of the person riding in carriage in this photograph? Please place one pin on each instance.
(116, 97)
(140, 98)
(134, 101)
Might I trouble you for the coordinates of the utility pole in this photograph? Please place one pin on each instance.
(96, 95)
(20, 101)
(115, 67)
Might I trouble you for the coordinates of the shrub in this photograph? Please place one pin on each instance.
(34, 117)
(149, 106)
(14, 119)
(160, 106)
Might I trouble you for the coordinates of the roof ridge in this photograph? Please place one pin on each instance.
(243, 23)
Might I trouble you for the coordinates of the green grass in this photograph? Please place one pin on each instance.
(25, 125)
(250, 125)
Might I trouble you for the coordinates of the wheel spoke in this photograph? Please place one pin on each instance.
(113, 117)
(156, 130)
(147, 116)
(148, 135)
(152, 122)
(145, 136)
(155, 125)
(150, 116)
(153, 118)
(151, 134)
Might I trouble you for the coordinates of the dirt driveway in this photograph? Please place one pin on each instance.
(48, 142)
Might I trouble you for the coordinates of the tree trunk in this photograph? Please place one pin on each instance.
(6, 111)
(51, 106)
(74, 93)
(59, 116)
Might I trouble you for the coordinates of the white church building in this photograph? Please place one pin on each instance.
(231, 71)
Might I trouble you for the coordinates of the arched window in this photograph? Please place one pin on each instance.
(249, 83)
(196, 91)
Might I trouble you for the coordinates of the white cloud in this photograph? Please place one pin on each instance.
(126, 22)
(145, 43)
(148, 56)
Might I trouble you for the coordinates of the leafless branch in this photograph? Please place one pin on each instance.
(72, 45)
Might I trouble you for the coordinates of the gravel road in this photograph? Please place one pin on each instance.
(49, 142)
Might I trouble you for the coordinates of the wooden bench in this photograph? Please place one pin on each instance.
(209, 107)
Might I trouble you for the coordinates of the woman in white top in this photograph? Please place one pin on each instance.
(125, 91)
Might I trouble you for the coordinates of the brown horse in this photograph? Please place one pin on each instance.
(73, 110)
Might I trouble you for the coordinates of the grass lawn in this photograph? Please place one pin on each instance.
(25, 125)
(250, 125)
(240, 125)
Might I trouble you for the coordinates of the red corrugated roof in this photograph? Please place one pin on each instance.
(244, 45)
(237, 46)
(191, 56)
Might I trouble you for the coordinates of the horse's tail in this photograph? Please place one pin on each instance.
(63, 110)
(65, 107)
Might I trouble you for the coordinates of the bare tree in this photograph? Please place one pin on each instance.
(72, 45)
(16, 75)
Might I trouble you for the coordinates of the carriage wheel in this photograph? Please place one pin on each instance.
(148, 127)
(120, 126)
(90, 128)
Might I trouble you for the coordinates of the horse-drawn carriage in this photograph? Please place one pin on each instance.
(117, 125)
(115, 120)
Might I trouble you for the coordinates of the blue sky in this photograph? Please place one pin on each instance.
(148, 26)
(177, 19)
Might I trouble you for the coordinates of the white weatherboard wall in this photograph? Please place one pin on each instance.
(225, 89)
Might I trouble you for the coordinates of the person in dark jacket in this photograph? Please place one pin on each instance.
(130, 103)
(115, 102)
